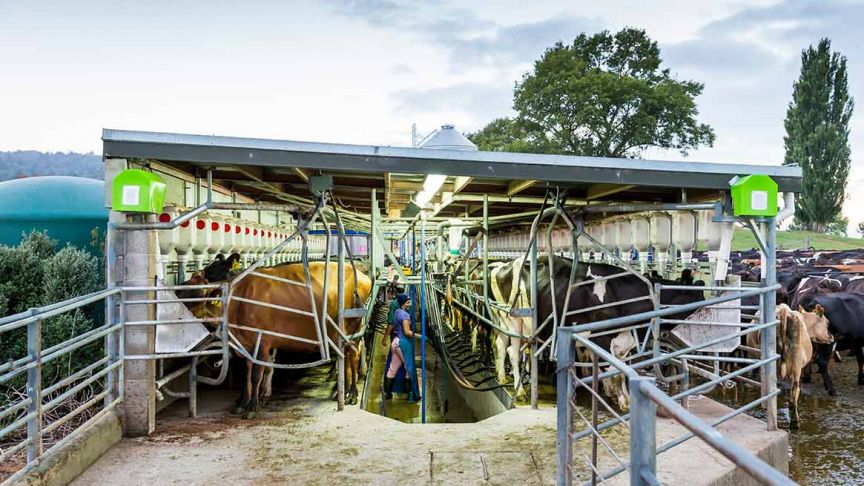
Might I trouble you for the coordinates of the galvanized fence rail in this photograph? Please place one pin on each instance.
(612, 428)
(94, 389)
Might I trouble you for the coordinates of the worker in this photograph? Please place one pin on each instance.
(401, 351)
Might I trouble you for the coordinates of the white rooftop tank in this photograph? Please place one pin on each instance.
(447, 138)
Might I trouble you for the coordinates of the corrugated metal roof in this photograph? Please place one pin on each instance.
(216, 151)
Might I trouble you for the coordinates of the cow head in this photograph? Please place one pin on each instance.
(817, 325)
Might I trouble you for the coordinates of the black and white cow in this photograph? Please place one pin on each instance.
(554, 281)
(844, 311)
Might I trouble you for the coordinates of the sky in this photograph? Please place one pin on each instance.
(362, 71)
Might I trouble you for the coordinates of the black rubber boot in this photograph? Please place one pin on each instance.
(412, 397)
(388, 388)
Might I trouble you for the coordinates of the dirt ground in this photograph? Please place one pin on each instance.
(301, 438)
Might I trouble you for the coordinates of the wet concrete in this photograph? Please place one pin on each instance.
(299, 437)
(828, 448)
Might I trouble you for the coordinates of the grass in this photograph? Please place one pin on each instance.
(794, 240)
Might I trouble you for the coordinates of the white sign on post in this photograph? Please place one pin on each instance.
(759, 200)
(131, 195)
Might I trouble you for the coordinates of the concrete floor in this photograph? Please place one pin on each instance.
(300, 437)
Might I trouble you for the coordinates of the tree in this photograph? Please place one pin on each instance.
(838, 227)
(817, 135)
(861, 229)
(605, 95)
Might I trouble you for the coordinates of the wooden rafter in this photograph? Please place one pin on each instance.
(515, 187)
(596, 191)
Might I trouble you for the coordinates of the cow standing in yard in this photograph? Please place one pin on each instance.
(510, 285)
(844, 312)
(276, 321)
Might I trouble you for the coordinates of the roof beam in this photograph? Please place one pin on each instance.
(387, 181)
(596, 191)
(460, 183)
(303, 173)
(515, 187)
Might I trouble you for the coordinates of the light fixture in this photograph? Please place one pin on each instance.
(431, 185)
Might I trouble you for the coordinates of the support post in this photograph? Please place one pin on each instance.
(643, 436)
(566, 355)
(373, 263)
(768, 340)
(486, 250)
(139, 393)
(340, 282)
(34, 390)
(534, 323)
(422, 319)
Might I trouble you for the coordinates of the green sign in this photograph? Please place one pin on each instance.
(138, 191)
(754, 195)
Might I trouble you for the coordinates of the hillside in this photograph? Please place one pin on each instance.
(30, 163)
(794, 240)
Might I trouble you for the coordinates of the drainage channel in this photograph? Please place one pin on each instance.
(451, 398)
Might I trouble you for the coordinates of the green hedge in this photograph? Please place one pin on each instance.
(37, 273)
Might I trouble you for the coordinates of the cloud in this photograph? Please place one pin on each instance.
(480, 101)
(468, 39)
(515, 44)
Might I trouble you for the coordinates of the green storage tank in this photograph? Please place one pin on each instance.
(67, 207)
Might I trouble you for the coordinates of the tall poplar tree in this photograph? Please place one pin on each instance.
(817, 135)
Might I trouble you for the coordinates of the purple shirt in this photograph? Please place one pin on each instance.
(399, 317)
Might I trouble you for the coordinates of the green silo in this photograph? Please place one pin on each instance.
(67, 207)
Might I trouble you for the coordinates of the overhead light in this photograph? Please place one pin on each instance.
(434, 182)
(431, 185)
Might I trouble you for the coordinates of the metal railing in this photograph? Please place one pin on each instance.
(51, 409)
(607, 428)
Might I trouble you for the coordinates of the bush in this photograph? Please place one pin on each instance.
(36, 274)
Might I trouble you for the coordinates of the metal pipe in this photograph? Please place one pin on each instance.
(645, 316)
(533, 296)
(565, 354)
(340, 318)
(423, 320)
(739, 456)
(634, 208)
(768, 339)
(643, 430)
(34, 390)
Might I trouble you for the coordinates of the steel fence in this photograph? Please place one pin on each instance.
(51, 409)
(622, 441)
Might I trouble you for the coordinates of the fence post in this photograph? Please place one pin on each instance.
(566, 355)
(112, 350)
(768, 313)
(34, 389)
(643, 439)
(534, 322)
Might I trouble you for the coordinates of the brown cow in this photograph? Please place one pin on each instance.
(269, 291)
(796, 333)
(270, 319)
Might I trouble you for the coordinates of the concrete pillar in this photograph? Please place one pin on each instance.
(131, 259)
(140, 268)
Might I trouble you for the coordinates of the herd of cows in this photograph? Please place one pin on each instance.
(818, 309)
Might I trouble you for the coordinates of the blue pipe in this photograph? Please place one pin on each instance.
(423, 320)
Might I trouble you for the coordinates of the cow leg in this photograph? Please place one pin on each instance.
(794, 393)
(246, 395)
(514, 354)
(501, 351)
(361, 365)
(859, 356)
(257, 379)
(353, 361)
(807, 374)
(823, 358)
(267, 388)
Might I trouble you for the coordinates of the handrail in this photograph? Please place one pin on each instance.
(756, 467)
